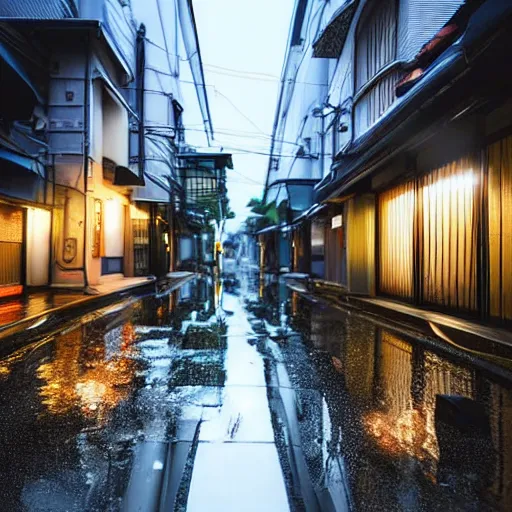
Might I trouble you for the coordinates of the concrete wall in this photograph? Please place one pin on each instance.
(304, 88)
(108, 134)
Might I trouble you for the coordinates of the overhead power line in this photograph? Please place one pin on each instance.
(247, 177)
(244, 136)
(260, 79)
(241, 71)
(235, 73)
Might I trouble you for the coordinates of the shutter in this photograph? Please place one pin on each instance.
(11, 245)
(413, 32)
(448, 235)
(396, 245)
(499, 164)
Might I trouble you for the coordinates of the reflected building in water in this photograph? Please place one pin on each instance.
(415, 427)
(96, 388)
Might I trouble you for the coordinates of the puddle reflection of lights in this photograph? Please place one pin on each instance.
(5, 370)
(411, 433)
(91, 393)
(96, 389)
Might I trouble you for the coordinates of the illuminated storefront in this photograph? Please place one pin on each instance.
(499, 165)
(427, 237)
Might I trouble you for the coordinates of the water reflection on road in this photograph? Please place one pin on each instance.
(405, 426)
(73, 407)
(248, 396)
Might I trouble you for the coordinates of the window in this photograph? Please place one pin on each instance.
(375, 77)
(111, 266)
(437, 219)
(115, 129)
(300, 196)
(360, 222)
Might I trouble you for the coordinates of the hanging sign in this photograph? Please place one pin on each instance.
(337, 222)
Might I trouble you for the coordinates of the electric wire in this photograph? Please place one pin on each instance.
(258, 79)
(156, 45)
(159, 7)
(244, 136)
(255, 76)
(242, 71)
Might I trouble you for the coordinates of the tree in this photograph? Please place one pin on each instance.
(216, 210)
(264, 214)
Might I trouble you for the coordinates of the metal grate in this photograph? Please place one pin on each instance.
(141, 246)
(10, 263)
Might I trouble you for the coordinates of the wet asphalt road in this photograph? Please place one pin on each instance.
(244, 396)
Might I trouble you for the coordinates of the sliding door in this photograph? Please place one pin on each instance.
(500, 228)
(396, 241)
(448, 217)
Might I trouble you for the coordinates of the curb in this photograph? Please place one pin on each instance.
(17, 334)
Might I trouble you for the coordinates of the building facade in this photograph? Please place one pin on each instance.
(92, 121)
(417, 165)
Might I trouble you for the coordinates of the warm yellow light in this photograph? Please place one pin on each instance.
(4, 371)
(113, 217)
(91, 393)
(94, 391)
(412, 432)
(457, 182)
(137, 213)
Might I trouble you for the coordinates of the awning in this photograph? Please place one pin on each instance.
(194, 219)
(315, 210)
(18, 94)
(101, 74)
(125, 177)
(269, 229)
(21, 160)
(18, 68)
(109, 32)
(156, 189)
(331, 41)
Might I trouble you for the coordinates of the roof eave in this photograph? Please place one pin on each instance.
(331, 41)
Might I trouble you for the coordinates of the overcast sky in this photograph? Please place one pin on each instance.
(243, 44)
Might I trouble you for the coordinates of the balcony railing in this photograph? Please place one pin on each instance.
(375, 98)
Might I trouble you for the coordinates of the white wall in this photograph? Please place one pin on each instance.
(113, 211)
(38, 246)
(306, 86)
(91, 9)
(116, 131)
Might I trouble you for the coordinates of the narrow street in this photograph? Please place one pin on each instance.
(243, 395)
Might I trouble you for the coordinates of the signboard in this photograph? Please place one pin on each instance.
(337, 222)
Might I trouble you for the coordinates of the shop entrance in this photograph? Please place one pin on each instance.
(11, 250)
